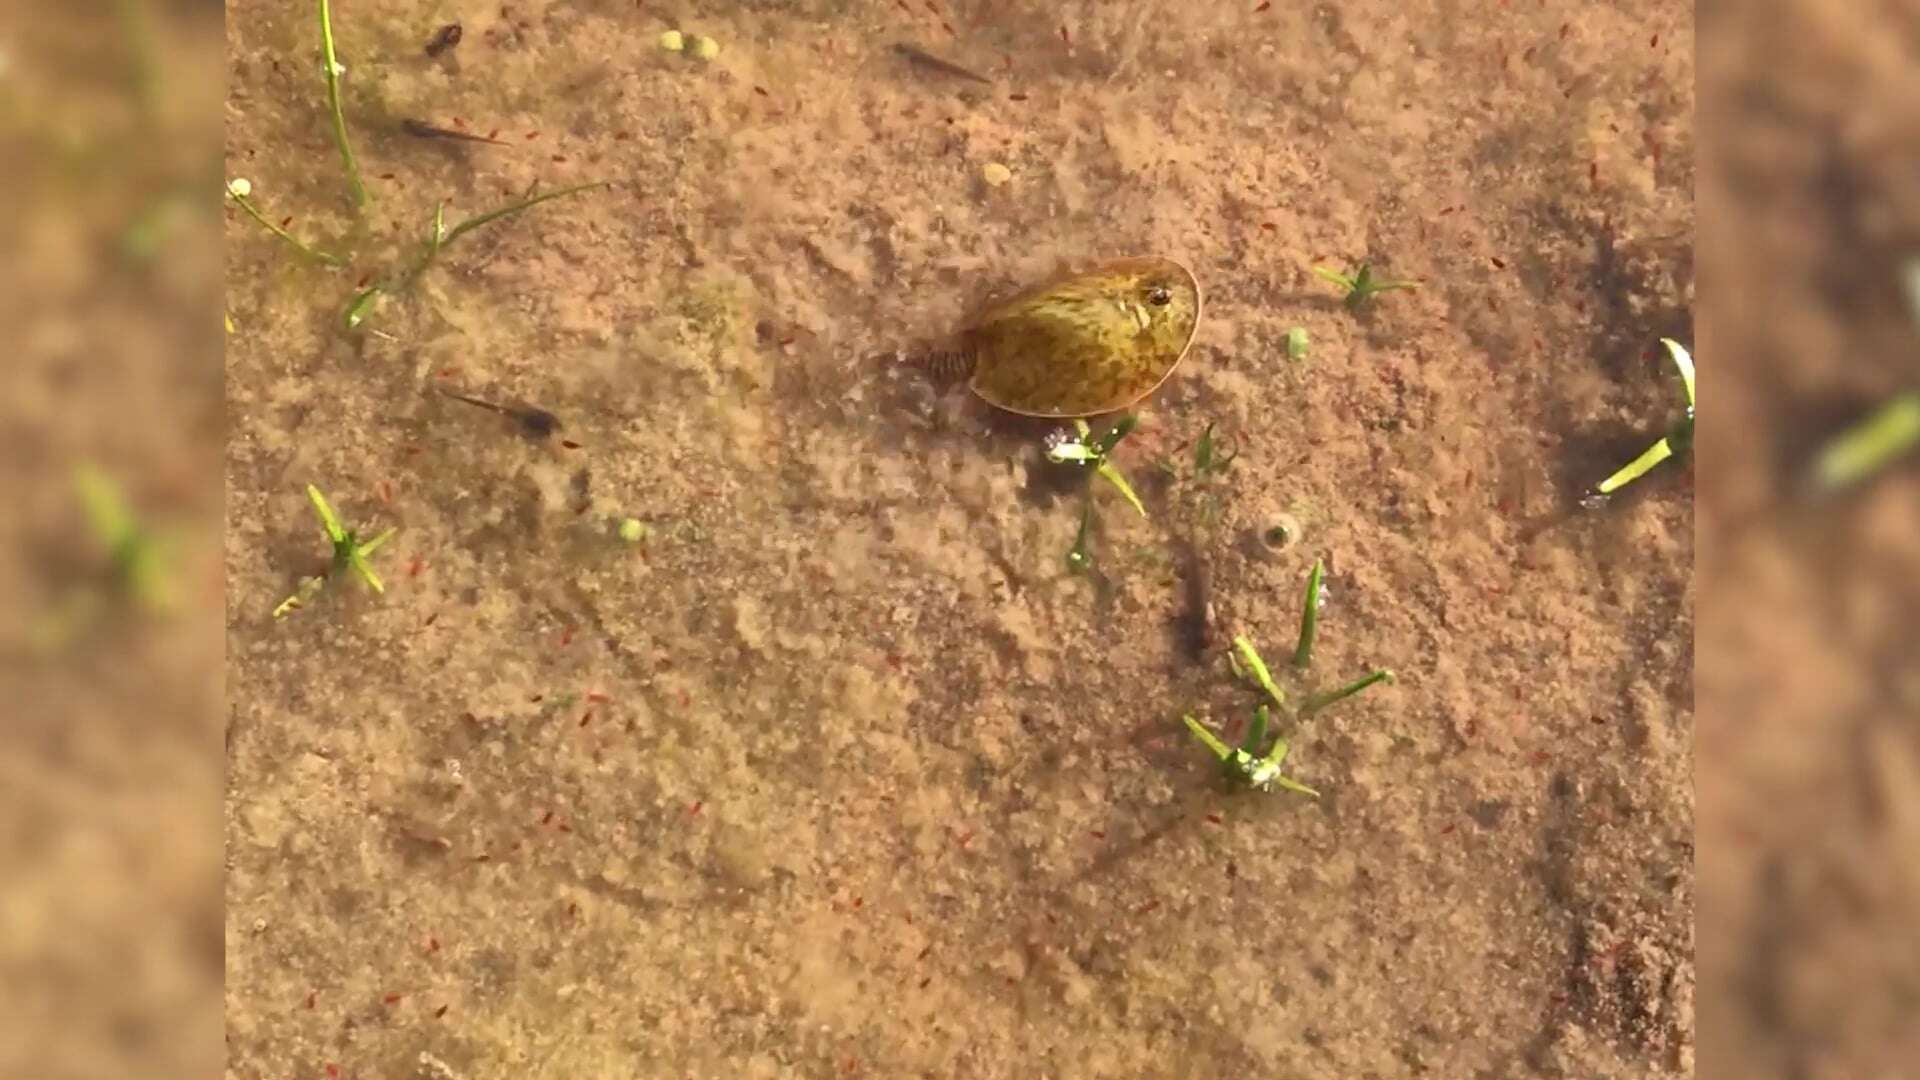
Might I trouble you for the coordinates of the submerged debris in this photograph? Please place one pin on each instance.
(420, 129)
(920, 57)
(534, 422)
(1196, 619)
(444, 39)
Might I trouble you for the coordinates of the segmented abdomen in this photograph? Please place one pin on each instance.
(945, 365)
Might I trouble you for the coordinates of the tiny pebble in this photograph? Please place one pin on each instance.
(240, 186)
(632, 531)
(672, 41)
(996, 174)
(1297, 343)
(705, 48)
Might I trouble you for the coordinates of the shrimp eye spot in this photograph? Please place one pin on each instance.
(1158, 296)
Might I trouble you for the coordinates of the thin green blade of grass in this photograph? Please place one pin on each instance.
(439, 236)
(1078, 557)
(360, 194)
(1309, 618)
(1115, 478)
(1891, 430)
(1638, 467)
(373, 545)
(329, 521)
(514, 208)
(1336, 277)
(299, 245)
(365, 570)
(1684, 361)
(361, 306)
(1295, 786)
(106, 510)
(1213, 741)
(1320, 701)
(1256, 732)
(1261, 675)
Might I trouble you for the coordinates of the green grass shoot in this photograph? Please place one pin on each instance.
(1677, 441)
(1309, 619)
(1886, 433)
(240, 190)
(1080, 556)
(138, 556)
(1084, 450)
(1209, 459)
(1868, 446)
(1260, 772)
(334, 69)
(1361, 286)
(139, 562)
(439, 237)
(1250, 765)
(349, 553)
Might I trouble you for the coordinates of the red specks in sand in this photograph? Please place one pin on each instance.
(391, 999)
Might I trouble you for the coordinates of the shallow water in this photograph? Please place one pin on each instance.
(843, 769)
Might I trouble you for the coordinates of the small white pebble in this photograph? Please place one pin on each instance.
(996, 174)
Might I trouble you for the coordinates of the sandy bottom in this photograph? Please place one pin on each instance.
(842, 771)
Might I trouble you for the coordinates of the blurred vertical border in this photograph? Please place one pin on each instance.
(111, 645)
(1808, 674)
